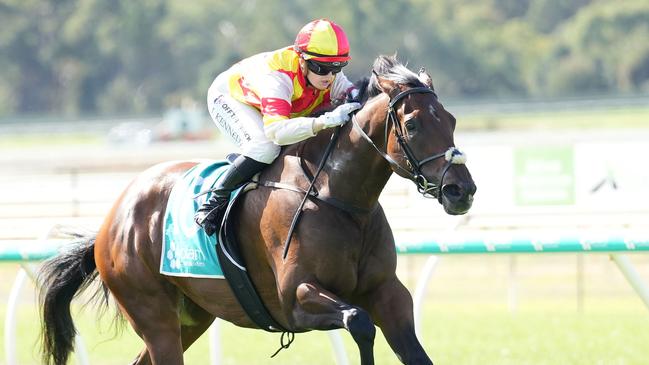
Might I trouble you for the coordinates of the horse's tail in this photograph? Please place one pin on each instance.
(62, 278)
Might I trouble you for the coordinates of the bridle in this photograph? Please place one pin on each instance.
(452, 155)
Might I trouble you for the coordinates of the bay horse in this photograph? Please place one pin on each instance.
(340, 269)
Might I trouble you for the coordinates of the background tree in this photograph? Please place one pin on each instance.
(123, 57)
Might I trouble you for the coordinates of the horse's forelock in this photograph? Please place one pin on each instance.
(383, 64)
(389, 68)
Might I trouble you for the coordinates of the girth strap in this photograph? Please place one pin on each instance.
(314, 194)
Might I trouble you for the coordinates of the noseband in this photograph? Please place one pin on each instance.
(452, 155)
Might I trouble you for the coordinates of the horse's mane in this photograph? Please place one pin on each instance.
(389, 68)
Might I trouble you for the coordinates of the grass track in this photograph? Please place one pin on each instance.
(613, 333)
(466, 320)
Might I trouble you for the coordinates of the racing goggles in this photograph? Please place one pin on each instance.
(323, 68)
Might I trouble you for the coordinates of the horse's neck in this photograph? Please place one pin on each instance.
(356, 173)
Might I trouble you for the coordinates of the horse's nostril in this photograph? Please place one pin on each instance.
(470, 189)
(452, 191)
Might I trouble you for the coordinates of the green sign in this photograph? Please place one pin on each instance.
(544, 175)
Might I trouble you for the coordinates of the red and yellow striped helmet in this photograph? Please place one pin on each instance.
(322, 40)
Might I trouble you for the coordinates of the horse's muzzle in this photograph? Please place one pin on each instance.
(457, 198)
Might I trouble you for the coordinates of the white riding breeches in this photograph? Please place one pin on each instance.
(239, 121)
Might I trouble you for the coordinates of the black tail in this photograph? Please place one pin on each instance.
(61, 279)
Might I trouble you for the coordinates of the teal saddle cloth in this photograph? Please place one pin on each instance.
(186, 250)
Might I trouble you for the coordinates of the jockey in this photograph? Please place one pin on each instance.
(262, 103)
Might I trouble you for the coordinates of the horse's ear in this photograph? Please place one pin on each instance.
(425, 78)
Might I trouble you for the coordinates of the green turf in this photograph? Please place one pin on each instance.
(611, 333)
(466, 319)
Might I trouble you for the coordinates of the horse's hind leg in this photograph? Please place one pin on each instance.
(194, 322)
(319, 309)
(151, 305)
(156, 321)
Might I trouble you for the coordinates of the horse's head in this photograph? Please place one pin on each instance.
(419, 135)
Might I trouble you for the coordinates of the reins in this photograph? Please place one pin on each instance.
(298, 212)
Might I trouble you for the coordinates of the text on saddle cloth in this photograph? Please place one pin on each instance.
(186, 250)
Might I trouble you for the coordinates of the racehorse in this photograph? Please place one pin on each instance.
(339, 271)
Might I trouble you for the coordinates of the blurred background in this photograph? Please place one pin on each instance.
(552, 102)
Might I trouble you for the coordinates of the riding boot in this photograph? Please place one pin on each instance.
(210, 214)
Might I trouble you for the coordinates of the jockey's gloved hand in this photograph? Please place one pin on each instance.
(336, 117)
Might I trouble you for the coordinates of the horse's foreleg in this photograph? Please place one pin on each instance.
(319, 309)
(391, 308)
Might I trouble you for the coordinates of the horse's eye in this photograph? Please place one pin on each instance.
(410, 125)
